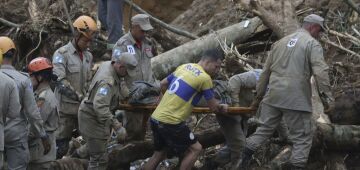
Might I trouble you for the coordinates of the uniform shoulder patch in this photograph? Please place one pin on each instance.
(58, 59)
(103, 91)
(116, 52)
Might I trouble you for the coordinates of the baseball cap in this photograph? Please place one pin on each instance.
(313, 18)
(143, 21)
(129, 60)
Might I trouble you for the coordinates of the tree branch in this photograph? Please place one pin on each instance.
(341, 47)
(353, 5)
(10, 24)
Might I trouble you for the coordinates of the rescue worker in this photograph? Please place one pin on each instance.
(287, 71)
(9, 105)
(96, 113)
(110, 13)
(234, 127)
(182, 90)
(72, 65)
(16, 130)
(136, 43)
(40, 70)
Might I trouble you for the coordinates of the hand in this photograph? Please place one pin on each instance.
(223, 108)
(121, 134)
(255, 104)
(46, 144)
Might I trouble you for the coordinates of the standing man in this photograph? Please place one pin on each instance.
(110, 14)
(40, 70)
(136, 43)
(96, 113)
(183, 89)
(72, 65)
(16, 130)
(287, 71)
(9, 106)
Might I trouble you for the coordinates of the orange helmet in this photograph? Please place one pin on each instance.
(85, 25)
(39, 64)
(6, 44)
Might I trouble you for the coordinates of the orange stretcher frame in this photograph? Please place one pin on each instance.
(196, 110)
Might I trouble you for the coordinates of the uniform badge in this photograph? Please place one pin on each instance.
(116, 52)
(131, 49)
(292, 42)
(59, 59)
(103, 91)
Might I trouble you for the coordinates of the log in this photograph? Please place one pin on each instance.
(151, 108)
(328, 136)
(190, 52)
(121, 156)
(337, 137)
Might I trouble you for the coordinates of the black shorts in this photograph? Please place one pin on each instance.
(175, 139)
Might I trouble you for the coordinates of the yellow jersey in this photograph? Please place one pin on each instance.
(187, 85)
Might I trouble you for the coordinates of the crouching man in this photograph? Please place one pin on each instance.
(96, 112)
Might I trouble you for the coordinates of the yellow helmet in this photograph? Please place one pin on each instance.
(6, 44)
(85, 25)
(1, 57)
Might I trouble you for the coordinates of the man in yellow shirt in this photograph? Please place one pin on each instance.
(183, 89)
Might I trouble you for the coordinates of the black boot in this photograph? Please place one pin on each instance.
(244, 162)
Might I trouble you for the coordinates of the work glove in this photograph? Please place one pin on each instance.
(223, 108)
(121, 134)
(45, 140)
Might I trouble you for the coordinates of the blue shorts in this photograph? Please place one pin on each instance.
(175, 139)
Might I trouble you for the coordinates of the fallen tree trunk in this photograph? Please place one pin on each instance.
(121, 156)
(328, 136)
(190, 52)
